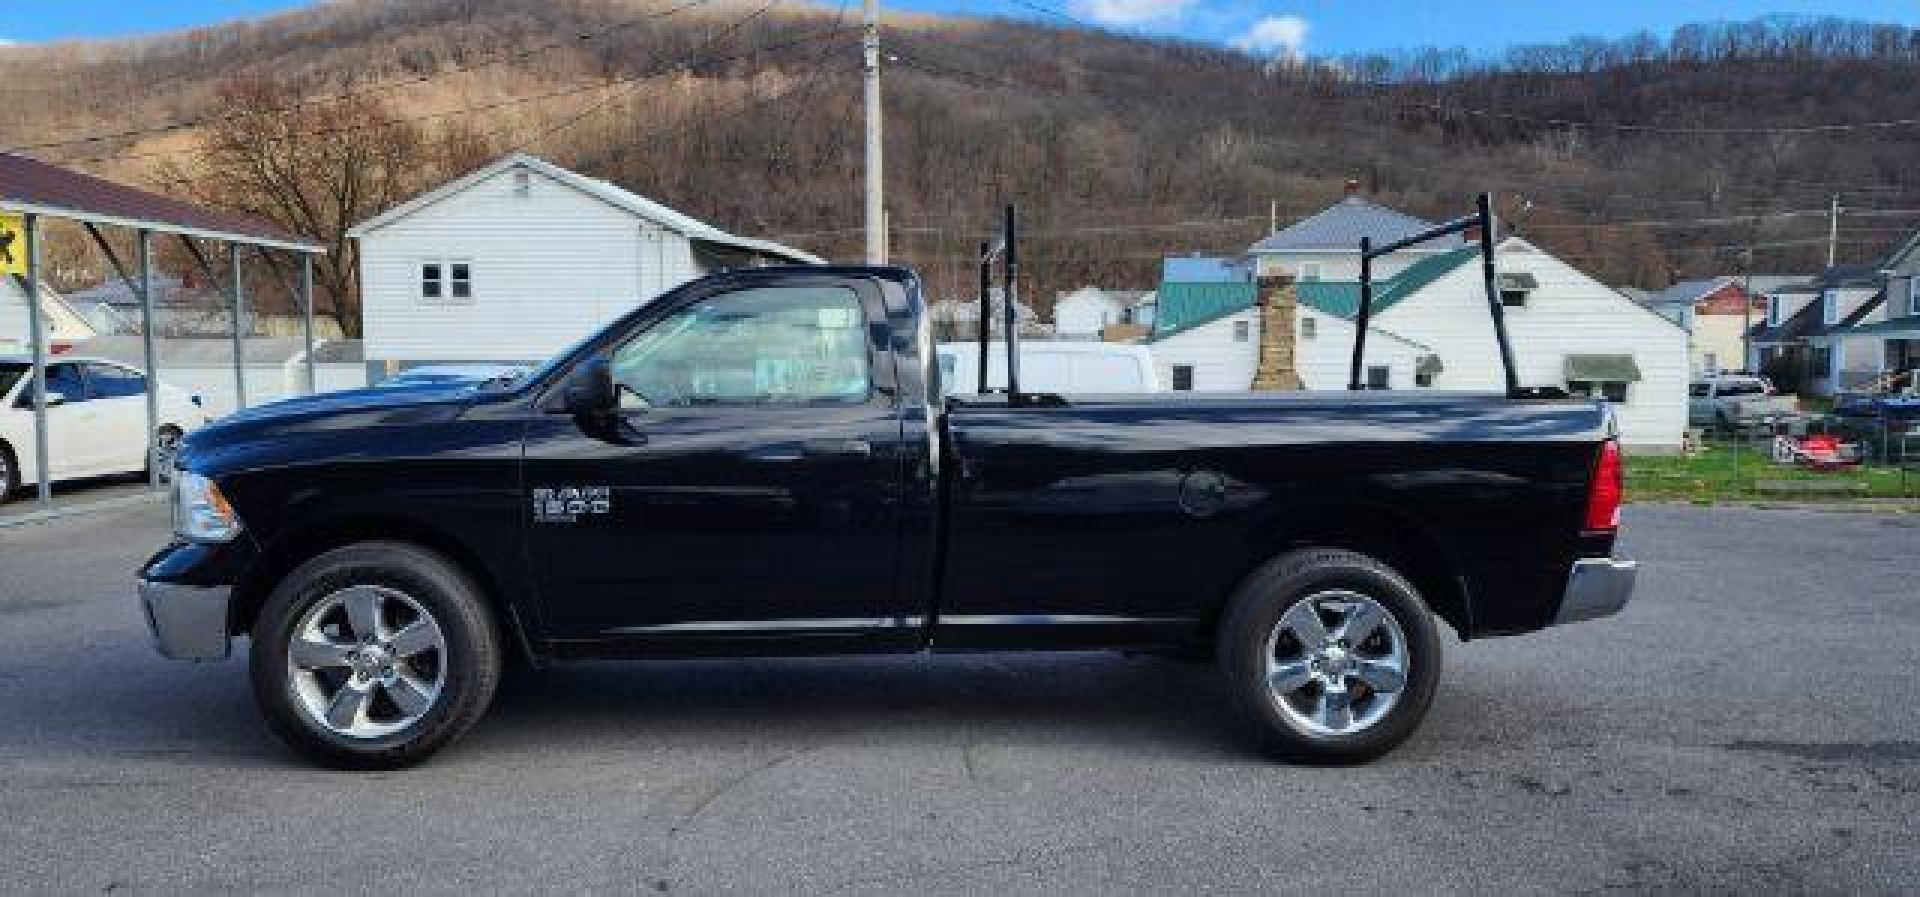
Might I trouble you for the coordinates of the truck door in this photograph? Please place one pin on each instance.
(751, 485)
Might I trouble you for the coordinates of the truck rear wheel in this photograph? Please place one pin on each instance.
(1330, 656)
(374, 656)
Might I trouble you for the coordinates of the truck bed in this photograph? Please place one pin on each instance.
(1126, 519)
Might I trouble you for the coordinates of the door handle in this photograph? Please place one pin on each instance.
(837, 448)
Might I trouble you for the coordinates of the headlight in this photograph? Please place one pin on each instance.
(200, 512)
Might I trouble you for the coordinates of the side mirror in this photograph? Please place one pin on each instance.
(589, 389)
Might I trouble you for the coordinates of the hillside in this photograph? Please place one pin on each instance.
(1119, 149)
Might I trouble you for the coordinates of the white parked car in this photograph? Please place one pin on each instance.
(1047, 366)
(96, 421)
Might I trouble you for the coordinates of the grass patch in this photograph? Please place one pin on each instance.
(1722, 472)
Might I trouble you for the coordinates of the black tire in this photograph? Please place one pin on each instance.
(471, 657)
(1256, 610)
(9, 473)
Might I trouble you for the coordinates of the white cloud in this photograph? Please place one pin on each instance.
(1279, 35)
(1132, 12)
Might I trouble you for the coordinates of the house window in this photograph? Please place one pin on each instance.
(1309, 270)
(1378, 376)
(1422, 379)
(1711, 363)
(446, 280)
(1830, 307)
(1612, 390)
(460, 280)
(1241, 331)
(1183, 377)
(1913, 294)
(1820, 359)
(1307, 327)
(1773, 311)
(1513, 298)
(431, 284)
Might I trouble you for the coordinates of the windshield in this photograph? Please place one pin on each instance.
(10, 373)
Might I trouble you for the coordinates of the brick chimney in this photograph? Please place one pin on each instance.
(1278, 304)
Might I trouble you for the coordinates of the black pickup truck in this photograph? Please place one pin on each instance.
(764, 462)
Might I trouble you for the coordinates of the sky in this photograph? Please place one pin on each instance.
(1293, 27)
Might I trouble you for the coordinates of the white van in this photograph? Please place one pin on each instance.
(1057, 367)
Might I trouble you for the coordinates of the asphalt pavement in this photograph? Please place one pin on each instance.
(1748, 724)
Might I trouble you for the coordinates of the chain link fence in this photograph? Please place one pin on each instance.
(1872, 456)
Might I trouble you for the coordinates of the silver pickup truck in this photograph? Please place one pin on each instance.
(1737, 402)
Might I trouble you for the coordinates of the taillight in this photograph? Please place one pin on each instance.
(1606, 491)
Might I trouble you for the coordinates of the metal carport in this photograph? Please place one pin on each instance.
(36, 190)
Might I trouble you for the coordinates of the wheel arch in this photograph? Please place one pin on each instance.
(1386, 534)
(290, 549)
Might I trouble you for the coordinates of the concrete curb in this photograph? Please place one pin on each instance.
(92, 507)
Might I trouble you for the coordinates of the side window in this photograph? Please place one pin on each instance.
(768, 346)
(460, 280)
(64, 379)
(111, 381)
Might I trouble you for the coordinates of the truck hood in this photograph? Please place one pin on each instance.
(347, 409)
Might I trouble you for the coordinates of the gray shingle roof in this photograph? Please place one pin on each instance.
(1341, 225)
(1686, 291)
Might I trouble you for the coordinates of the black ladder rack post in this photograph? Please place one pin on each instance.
(1363, 314)
(1494, 306)
(1484, 221)
(986, 308)
(1011, 274)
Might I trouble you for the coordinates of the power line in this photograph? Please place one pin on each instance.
(205, 120)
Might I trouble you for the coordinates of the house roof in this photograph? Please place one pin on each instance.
(1892, 328)
(1184, 306)
(1855, 317)
(693, 228)
(1802, 323)
(1343, 297)
(1687, 292)
(1202, 269)
(32, 186)
(1339, 227)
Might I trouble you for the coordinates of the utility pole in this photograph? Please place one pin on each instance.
(1833, 228)
(876, 206)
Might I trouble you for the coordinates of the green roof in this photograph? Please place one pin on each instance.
(1184, 306)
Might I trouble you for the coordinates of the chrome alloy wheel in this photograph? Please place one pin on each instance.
(1336, 662)
(366, 662)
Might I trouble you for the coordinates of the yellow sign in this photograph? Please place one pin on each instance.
(13, 245)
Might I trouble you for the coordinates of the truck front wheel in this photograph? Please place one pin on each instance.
(1330, 656)
(374, 656)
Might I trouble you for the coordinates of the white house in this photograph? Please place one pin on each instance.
(1431, 328)
(62, 326)
(522, 258)
(1086, 313)
(1210, 341)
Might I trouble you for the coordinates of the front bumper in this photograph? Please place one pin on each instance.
(1597, 587)
(187, 622)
